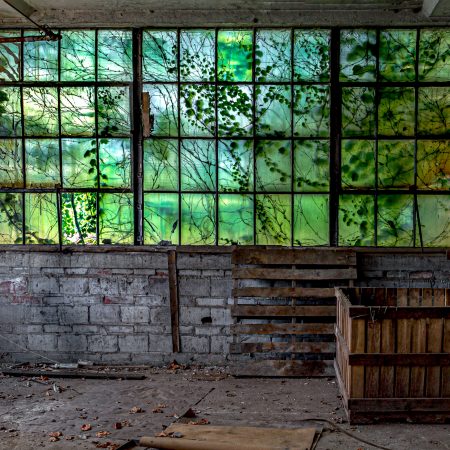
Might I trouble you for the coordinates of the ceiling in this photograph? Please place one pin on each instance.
(183, 12)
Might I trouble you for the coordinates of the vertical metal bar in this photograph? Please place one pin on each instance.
(96, 136)
(58, 188)
(179, 134)
(254, 133)
(22, 124)
(216, 136)
(137, 139)
(335, 134)
(292, 138)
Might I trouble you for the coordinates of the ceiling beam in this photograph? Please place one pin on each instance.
(20, 6)
(436, 8)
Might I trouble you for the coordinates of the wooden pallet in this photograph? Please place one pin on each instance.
(393, 354)
(284, 309)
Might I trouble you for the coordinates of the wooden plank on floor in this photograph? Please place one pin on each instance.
(283, 292)
(297, 274)
(72, 374)
(299, 438)
(283, 328)
(284, 368)
(283, 311)
(293, 256)
(283, 347)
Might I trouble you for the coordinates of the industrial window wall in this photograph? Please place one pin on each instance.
(301, 137)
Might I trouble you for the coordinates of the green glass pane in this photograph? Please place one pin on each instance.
(235, 219)
(79, 218)
(356, 220)
(273, 55)
(398, 55)
(40, 60)
(311, 165)
(395, 220)
(433, 164)
(234, 53)
(9, 57)
(312, 111)
(159, 55)
(113, 111)
(11, 218)
(10, 112)
(396, 112)
(434, 213)
(198, 219)
(434, 55)
(79, 160)
(273, 219)
(116, 220)
(11, 163)
(77, 111)
(357, 164)
(395, 164)
(115, 163)
(358, 60)
(197, 110)
(234, 104)
(198, 165)
(41, 219)
(163, 109)
(42, 163)
(311, 220)
(41, 111)
(273, 110)
(78, 55)
(358, 111)
(273, 166)
(434, 110)
(161, 218)
(235, 166)
(160, 165)
(197, 54)
(312, 55)
(114, 49)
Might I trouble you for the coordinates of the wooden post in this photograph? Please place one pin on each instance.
(174, 301)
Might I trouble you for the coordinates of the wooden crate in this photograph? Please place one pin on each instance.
(289, 326)
(393, 354)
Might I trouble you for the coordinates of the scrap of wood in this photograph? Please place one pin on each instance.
(72, 374)
(231, 438)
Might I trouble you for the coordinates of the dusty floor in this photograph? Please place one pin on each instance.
(31, 409)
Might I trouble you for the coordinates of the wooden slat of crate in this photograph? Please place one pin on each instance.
(290, 274)
(282, 311)
(283, 328)
(293, 256)
(283, 347)
(284, 368)
(283, 292)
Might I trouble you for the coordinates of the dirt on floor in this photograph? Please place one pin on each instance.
(63, 413)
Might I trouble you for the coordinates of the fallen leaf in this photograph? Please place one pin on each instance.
(200, 422)
(55, 434)
(157, 410)
(162, 434)
(54, 439)
(136, 409)
(102, 434)
(86, 427)
(69, 438)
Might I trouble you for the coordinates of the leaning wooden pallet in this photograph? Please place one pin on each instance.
(284, 309)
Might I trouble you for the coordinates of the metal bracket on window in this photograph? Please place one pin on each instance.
(26, 10)
(147, 118)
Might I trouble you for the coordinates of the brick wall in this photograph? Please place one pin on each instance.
(114, 307)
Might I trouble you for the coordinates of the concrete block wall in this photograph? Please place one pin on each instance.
(113, 307)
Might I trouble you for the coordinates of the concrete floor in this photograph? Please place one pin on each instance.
(30, 410)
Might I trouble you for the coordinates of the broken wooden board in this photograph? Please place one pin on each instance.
(226, 437)
(72, 374)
